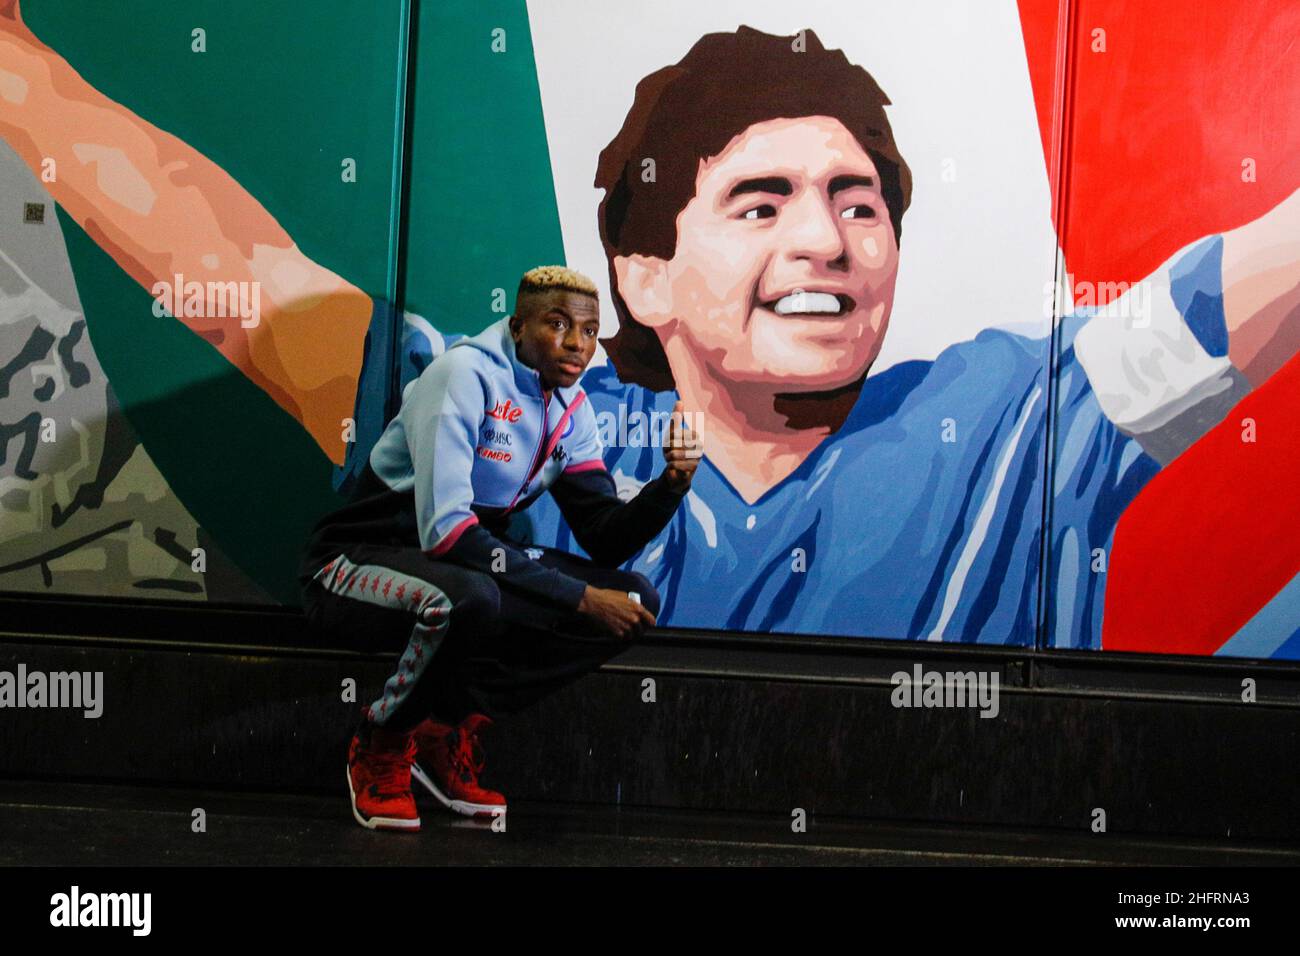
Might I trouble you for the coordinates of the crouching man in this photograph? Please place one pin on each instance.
(420, 555)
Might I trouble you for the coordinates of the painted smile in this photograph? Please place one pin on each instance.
(800, 302)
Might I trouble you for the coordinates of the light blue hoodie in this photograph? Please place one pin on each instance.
(475, 442)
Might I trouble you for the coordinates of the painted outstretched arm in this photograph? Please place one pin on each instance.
(1261, 291)
(1168, 359)
(159, 208)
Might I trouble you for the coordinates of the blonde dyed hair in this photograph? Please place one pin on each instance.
(549, 278)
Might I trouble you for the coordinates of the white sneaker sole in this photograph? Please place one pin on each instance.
(463, 807)
(378, 823)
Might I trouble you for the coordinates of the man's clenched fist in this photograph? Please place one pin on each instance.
(617, 612)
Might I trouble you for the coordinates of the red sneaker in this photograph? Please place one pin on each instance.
(379, 779)
(448, 761)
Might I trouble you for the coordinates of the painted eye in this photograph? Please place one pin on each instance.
(764, 211)
(858, 212)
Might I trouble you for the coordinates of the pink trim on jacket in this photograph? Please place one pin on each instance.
(555, 435)
(451, 537)
(591, 465)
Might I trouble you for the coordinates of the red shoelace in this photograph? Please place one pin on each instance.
(467, 755)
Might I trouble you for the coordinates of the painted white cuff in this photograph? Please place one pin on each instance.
(1152, 377)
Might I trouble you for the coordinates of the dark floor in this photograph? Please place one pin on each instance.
(44, 823)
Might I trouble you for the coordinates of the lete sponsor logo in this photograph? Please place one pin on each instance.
(506, 411)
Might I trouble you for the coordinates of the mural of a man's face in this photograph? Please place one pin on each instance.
(788, 205)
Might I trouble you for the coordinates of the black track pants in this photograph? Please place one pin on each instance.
(469, 643)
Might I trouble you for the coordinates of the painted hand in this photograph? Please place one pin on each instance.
(682, 450)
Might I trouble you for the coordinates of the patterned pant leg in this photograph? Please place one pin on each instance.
(498, 651)
(375, 580)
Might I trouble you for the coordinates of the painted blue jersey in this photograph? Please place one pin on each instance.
(921, 517)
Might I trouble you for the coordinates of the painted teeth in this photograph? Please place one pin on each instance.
(801, 303)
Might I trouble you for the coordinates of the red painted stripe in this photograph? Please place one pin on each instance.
(1160, 127)
(1211, 539)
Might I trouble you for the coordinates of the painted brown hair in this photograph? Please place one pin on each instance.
(689, 112)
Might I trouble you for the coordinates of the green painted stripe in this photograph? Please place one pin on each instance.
(482, 201)
(284, 92)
